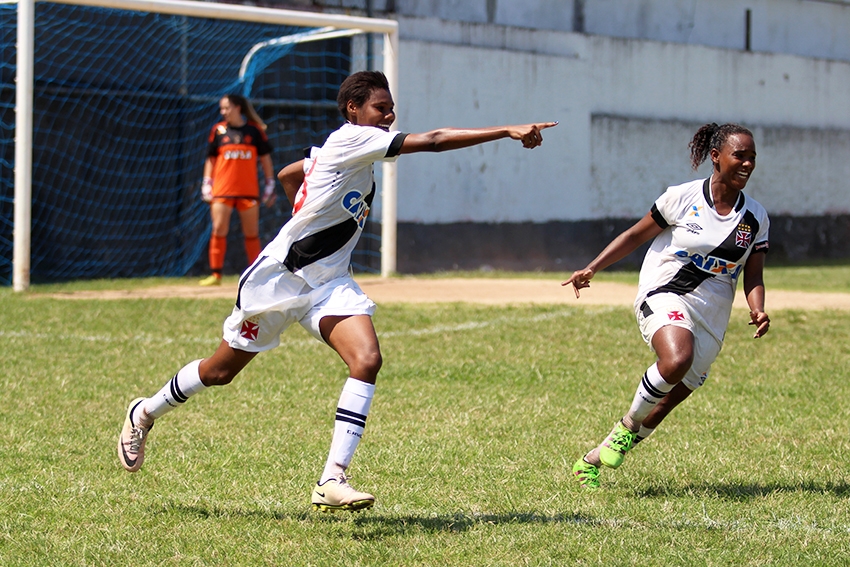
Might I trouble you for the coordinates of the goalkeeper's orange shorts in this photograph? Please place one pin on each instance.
(238, 203)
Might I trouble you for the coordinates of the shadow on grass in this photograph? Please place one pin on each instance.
(381, 524)
(743, 491)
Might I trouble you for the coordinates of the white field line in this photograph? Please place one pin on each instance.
(154, 339)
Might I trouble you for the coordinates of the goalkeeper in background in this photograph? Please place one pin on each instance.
(230, 179)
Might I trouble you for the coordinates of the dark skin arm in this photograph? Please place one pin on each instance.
(626, 243)
(444, 139)
(291, 177)
(754, 292)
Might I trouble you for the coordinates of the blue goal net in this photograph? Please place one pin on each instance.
(123, 105)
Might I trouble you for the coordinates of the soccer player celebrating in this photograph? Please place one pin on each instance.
(235, 146)
(705, 233)
(302, 276)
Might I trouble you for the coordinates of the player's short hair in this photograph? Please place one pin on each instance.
(358, 87)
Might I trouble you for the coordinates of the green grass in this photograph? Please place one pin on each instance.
(831, 278)
(478, 416)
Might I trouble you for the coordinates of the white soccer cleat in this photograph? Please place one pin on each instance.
(131, 442)
(336, 494)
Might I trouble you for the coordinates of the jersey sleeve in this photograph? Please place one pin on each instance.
(370, 144)
(762, 242)
(666, 208)
(212, 142)
(261, 140)
(395, 147)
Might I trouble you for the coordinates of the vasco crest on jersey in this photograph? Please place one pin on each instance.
(743, 235)
(355, 203)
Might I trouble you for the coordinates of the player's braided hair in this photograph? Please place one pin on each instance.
(358, 87)
(712, 137)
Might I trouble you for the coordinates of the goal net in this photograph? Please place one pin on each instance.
(123, 101)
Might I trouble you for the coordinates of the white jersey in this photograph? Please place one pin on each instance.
(332, 204)
(701, 254)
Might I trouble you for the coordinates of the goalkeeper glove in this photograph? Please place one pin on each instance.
(269, 196)
(206, 190)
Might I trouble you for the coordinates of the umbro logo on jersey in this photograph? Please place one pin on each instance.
(693, 227)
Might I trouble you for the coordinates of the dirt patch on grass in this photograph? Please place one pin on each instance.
(478, 290)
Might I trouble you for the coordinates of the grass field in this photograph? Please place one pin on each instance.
(479, 414)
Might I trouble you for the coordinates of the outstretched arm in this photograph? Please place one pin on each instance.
(626, 243)
(291, 177)
(754, 292)
(444, 139)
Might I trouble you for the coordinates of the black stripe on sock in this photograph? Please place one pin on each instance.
(652, 390)
(176, 393)
(356, 422)
(350, 417)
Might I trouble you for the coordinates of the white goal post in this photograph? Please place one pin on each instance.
(331, 24)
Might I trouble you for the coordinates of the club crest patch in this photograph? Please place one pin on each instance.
(675, 316)
(249, 330)
(743, 238)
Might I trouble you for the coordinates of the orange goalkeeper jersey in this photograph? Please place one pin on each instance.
(236, 149)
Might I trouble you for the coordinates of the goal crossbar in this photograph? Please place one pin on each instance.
(345, 25)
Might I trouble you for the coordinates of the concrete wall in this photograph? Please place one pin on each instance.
(628, 109)
(810, 28)
(655, 96)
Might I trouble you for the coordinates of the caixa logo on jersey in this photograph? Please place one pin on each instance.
(713, 264)
(355, 203)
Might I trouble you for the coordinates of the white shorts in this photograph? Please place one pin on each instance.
(664, 309)
(271, 298)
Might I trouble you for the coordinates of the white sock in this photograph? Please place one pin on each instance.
(651, 390)
(643, 434)
(351, 413)
(592, 457)
(185, 383)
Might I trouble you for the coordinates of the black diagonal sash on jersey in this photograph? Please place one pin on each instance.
(319, 245)
(322, 244)
(690, 276)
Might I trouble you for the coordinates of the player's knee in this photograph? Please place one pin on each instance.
(675, 365)
(366, 364)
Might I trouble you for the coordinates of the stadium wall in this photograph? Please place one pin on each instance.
(627, 110)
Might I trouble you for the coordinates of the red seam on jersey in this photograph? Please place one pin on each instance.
(303, 190)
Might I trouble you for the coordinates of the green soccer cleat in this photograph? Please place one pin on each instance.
(586, 474)
(613, 450)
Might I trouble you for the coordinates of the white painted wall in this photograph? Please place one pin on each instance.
(655, 94)
(811, 28)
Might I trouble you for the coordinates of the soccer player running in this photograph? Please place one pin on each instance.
(302, 276)
(230, 179)
(705, 233)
